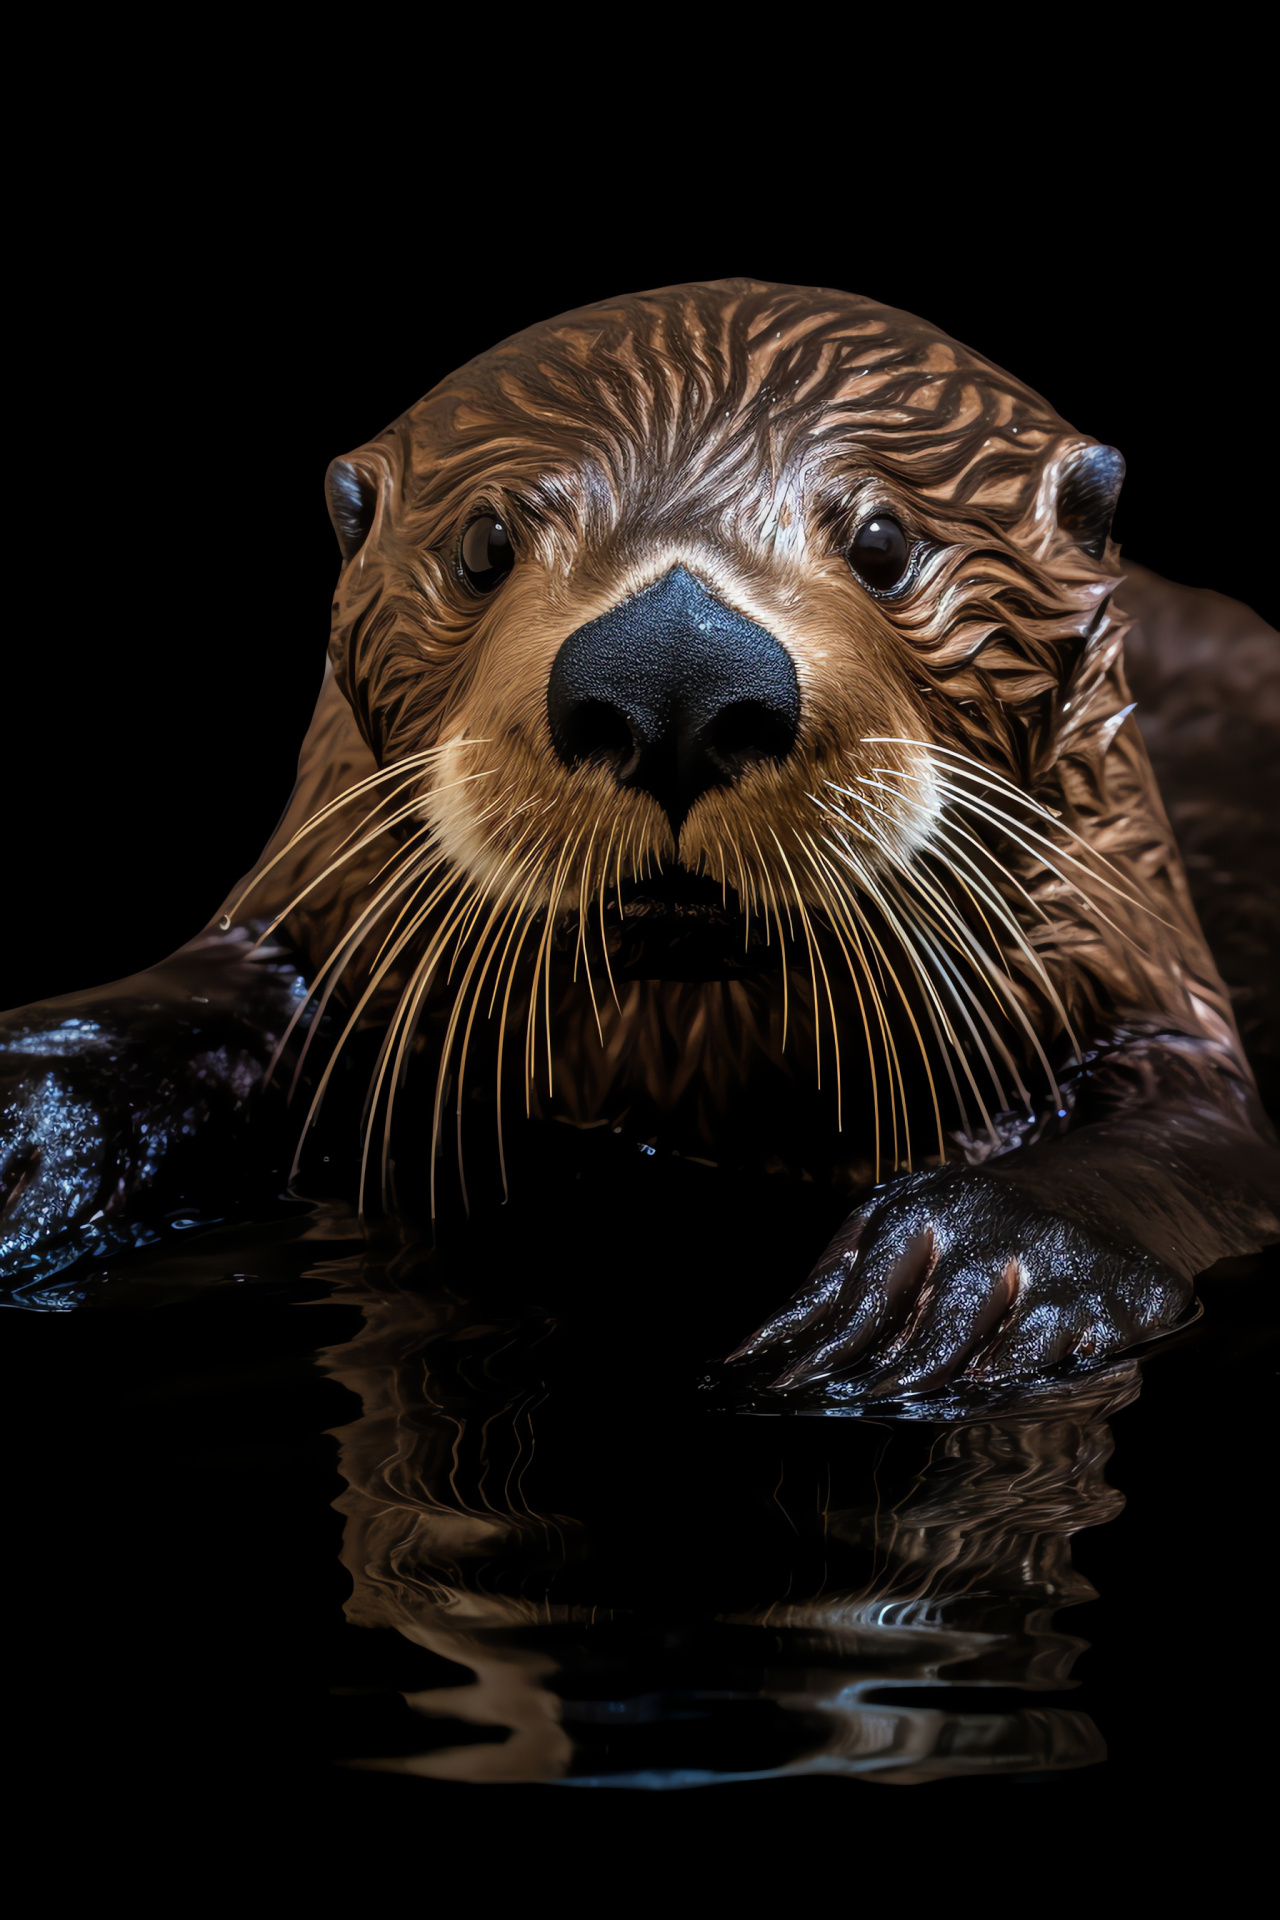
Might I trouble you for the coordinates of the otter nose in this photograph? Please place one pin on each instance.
(675, 691)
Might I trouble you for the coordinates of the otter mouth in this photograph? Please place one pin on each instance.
(678, 898)
(674, 925)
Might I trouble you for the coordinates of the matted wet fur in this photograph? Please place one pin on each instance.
(944, 935)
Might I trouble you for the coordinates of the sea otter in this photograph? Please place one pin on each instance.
(725, 741)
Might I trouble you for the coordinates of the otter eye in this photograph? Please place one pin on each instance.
(487, 553)
(880, 554)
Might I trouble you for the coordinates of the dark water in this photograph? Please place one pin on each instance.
(304, 1522)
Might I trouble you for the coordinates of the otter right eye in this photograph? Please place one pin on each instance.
(487, 554)
(880, 554)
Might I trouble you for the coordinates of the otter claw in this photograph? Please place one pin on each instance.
(808, 1307)
(805, 1372)
(959, 1274)
(887, 1296)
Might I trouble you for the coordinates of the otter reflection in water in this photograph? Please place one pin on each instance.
(671, 1596)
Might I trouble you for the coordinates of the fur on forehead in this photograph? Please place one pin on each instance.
(689, 394)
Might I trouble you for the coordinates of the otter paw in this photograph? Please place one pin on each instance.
(956, 1276)
(53, 1160)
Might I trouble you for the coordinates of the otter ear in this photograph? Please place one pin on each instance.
(1087, 499)
(352, 492)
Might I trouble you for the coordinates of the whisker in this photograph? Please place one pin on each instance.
(1015, 832)
(357, 846)
(767, 883)
(581, 946)
(813, 972)
(815, 946)
(371, 987)
(1001, 909)
(1000, 984)
(958, 828)
(333, 866)
(543, 956)
(445, 884)
(331, 986)
(520, 861)
(401, 1032)
(747, 894)
(869, 883)
(392, 947)
(859, 924)
(485, 950)
(1005, 995)
(955, 933)
(921, 974)
(604, 938)
(962, 993)
(835, 887)
(988, 776)
(828, 891)
(433, 867)
(318, 818)
(425, 832)
(524, 926)
(410, 807)
(561, 874)
(526, 864)
(333, 967)
(897, 1086)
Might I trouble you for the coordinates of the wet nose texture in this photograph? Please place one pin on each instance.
(675, 691)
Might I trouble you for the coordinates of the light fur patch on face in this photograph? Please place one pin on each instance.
(894, 801)
(459, 809)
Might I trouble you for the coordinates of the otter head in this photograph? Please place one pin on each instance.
(667, 607)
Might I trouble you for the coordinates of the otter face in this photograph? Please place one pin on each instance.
(668, 607)
(647, 692)
(666, 715)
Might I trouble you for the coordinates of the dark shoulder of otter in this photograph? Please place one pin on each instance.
(727, 739)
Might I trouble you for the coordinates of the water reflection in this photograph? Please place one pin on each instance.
(650, 1593)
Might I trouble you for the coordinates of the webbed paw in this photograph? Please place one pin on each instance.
(957, 1276)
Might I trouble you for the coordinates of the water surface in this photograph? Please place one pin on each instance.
(381, 1526)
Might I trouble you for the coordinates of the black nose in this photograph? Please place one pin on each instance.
(676, 691)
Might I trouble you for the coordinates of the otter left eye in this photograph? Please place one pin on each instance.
(487, 554)
(880, 554)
